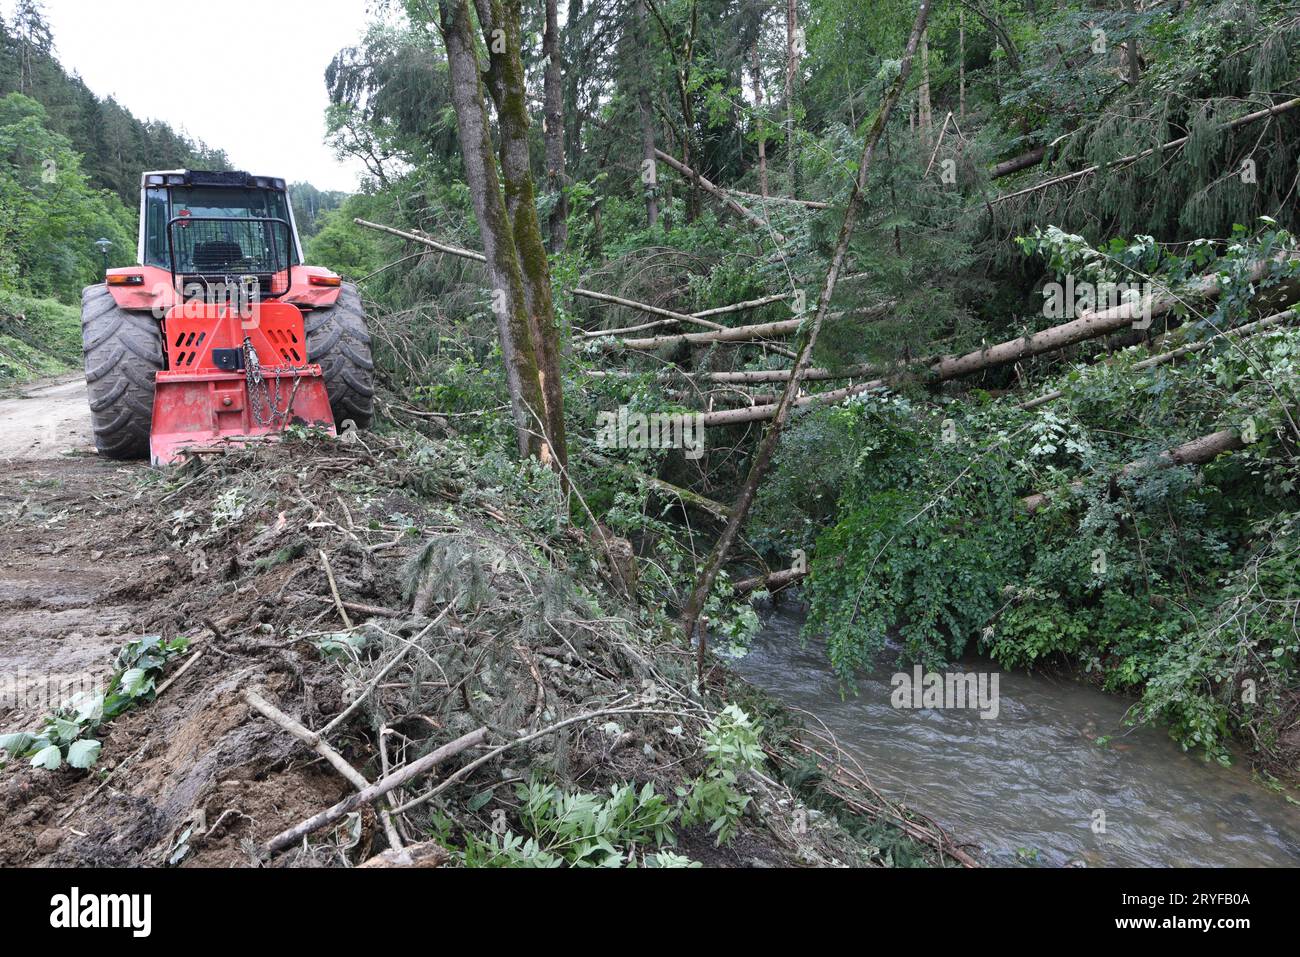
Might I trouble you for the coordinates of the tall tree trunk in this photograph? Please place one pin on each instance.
(646, 116)
(522, 377)
(961, 64)
(791, 71)
(553, 130)
(575, 56)
(757, 70)
(1133, 69)
(772, 438)
(925, 119)
(502, 21)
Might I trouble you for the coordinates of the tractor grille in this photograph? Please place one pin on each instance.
(210, 253)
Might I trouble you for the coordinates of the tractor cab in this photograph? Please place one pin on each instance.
(209, 228)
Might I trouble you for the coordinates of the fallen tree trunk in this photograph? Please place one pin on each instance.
(1088, 326)
(772, 581)
(741, 306)
(781, 375)
(716, 509)
(1125, 160)
(810, 203)
(762, 330)
(1196, 452)
(418, 237)
(1016, 164)
(751, 376)
(718, 193)
(782, 327)
(1240, 332)
(646, 308)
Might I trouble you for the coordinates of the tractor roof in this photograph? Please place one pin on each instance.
(194, 177)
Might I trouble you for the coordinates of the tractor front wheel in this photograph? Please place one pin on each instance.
(338, 342)
(122, 350)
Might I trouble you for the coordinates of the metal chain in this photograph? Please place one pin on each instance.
(260, 397)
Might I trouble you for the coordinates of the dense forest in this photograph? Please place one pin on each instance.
(968, 329)
(1062, 296)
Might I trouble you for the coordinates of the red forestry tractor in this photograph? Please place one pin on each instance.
(220, 334)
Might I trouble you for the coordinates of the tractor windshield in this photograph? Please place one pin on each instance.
(163, 205)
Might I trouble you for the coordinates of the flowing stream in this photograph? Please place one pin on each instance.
(1026, 785)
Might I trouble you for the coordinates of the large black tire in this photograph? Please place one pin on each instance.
(338, 342)
(122, 350)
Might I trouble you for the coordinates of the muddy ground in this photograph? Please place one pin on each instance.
(81, 573)
(533, 629)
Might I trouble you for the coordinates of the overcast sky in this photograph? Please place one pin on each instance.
(242, 75)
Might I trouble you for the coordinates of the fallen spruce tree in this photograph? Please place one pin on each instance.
(1197, 451)
(1091, 325)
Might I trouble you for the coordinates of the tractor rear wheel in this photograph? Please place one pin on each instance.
(338, 342)
(122, 351)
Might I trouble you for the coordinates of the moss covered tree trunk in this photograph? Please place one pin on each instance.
(523, 376)
(500, 22)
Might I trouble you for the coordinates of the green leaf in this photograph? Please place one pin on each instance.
(136, 682)
(84, 753)
(49, 758)
(65, 731)
(89, 707)
(480, 799)
(16, 743)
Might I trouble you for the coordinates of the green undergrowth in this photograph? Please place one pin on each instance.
(1177, 584)
(38, 338)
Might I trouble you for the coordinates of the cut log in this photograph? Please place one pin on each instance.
(1088, 326)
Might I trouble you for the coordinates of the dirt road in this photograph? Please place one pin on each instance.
(46, 420)
(61, 558)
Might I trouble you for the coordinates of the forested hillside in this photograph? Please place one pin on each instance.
(990, 304)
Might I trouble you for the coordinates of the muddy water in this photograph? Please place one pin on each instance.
(1026, 785)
